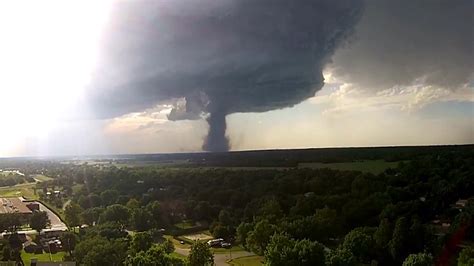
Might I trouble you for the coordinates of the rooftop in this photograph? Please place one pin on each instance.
(13, 205)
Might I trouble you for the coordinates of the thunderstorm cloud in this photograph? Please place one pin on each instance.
(223, 57)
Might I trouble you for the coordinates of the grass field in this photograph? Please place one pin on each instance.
(26, 257)
(371, 166)
(185, 225)
(42, 178)
(247, 261)
(177, 255)
(201, 236)
(227, 250)
(25, 190)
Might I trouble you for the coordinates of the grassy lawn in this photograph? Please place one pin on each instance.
(42, 178)
(185, 225)
(177, 255)
(227, 250)
(177, 242)
(41, 257)
(371, 166)
(202, 236)
(247, 261)
(25, 190)
(76, 188)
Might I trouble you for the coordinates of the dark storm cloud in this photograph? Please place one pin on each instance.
(398, 43)
(221, 56)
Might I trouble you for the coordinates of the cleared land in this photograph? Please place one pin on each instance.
(370, 166)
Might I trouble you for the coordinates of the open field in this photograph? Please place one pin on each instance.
(370, 166)
(177, 243)
(42, 178)
(198, 237)
(41, 257)
(227, 250)
(25, 190)
(185, 225)
(247, 261)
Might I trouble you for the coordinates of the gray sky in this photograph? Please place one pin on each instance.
(143, 77)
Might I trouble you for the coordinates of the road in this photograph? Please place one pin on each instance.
(220, 259)
(56, 223)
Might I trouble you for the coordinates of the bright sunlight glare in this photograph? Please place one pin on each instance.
(48, 51)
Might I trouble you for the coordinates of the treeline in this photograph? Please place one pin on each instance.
(12, 179)
(291, 158)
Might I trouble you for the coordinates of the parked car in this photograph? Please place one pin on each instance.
(225, 245)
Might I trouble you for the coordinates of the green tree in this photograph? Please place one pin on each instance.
(383, 235)
(242, 232)
(326, 223)
(420, 259)
(6, 253)
(220, 231)
(72, 214)
(140, 259)
(10, 222)
(116, 213)
(154, 256)
(161, 256)
(397, 245)
(270, 210)
(259, 237)
(340, 257)
(282, 250)
(109, 230)
(225, 218)
(68, 240)
(416, 235)
(100, 251)
(200, 254)
(466, 257)
(91, 216)
(141, 219)
(109, 197)
(141, 241)
(159, 217)
(133, 204)
(39, 221)
(309, 252)
(358, 243)
(167, 246)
